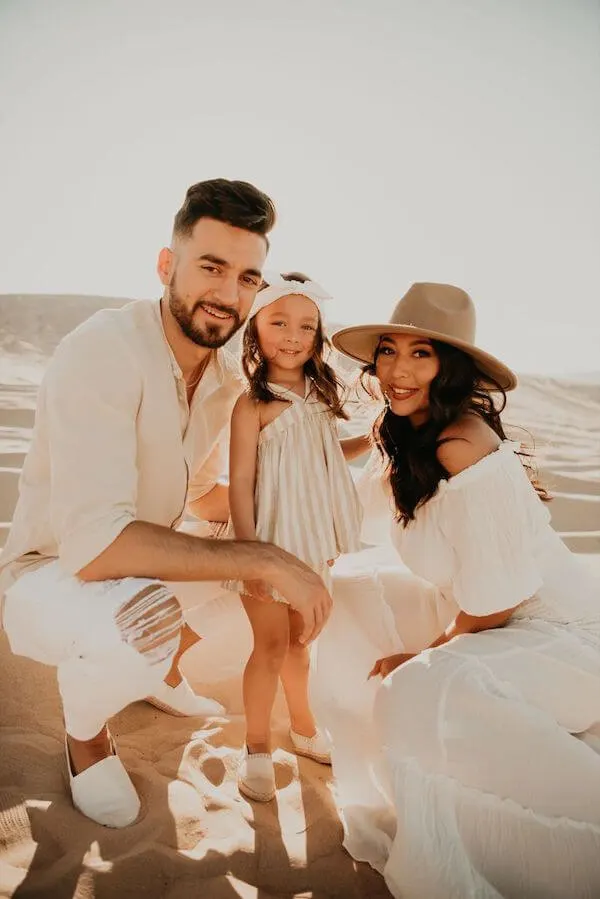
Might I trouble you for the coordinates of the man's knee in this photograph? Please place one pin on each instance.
(151, 622)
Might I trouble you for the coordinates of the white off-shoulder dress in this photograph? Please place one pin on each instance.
(305, 500)
(469, 772)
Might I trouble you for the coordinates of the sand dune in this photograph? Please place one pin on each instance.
(196, 835)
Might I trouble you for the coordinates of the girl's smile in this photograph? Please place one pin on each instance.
(286, 331)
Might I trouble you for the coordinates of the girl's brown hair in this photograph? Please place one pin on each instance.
(325, 382)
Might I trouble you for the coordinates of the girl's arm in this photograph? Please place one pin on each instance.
(243, 449)
(353, 447)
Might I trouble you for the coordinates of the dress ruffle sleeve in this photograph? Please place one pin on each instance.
(490, 514)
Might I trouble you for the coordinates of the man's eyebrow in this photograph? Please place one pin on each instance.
(216, 260)
(209, 257)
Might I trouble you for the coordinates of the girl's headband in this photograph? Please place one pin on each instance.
(278, 287)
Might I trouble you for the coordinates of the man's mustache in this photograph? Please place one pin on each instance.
(227, 310)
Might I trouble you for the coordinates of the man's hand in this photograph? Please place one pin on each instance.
(304, 590)
(385, 666)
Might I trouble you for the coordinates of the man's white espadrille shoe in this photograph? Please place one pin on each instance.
(104, 792)
(184, 703)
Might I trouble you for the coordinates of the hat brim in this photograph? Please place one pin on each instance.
(360, 342)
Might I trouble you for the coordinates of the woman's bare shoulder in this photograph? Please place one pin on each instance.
(465, 442)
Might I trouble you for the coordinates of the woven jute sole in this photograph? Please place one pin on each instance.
(321, 759)
(249, 793)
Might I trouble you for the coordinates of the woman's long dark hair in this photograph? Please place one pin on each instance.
(325, 383)
(411, 453)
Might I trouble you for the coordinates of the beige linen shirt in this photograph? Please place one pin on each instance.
(115, 441)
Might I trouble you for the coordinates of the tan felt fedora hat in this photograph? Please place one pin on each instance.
(435, 311)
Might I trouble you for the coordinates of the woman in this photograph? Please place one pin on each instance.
(476, 777)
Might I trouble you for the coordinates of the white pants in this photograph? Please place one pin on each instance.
(112, 642)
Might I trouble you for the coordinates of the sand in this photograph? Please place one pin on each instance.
(196, 835)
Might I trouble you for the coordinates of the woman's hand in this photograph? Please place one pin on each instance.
(385, 666)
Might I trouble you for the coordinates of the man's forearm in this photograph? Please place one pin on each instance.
(150, 550)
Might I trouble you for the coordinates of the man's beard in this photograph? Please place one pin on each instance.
(211, 336)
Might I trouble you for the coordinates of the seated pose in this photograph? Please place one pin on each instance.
(482, 781)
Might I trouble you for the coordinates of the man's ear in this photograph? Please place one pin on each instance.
(165, 266)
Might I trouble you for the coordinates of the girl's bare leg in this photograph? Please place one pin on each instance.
(271, 629)
(294, 677)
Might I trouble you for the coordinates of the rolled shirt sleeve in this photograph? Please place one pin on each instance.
(92, 392)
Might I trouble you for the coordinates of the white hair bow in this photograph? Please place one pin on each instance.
(278, 287)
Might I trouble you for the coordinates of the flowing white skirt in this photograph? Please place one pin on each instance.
(471, 771)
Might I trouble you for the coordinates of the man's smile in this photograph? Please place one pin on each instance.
(215, 311)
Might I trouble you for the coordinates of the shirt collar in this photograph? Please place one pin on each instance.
(217, 360)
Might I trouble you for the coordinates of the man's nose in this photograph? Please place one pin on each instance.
(227, 291)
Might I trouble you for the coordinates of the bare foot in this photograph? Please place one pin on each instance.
(85, 753)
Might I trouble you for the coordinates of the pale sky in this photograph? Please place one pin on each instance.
(401, 140)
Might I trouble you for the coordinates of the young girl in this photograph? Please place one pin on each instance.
(290, 485)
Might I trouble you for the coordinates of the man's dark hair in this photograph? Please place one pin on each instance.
(236, 203)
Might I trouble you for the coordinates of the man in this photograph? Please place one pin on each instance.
(131, 419)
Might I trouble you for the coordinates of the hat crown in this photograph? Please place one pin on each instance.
(442, 308)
